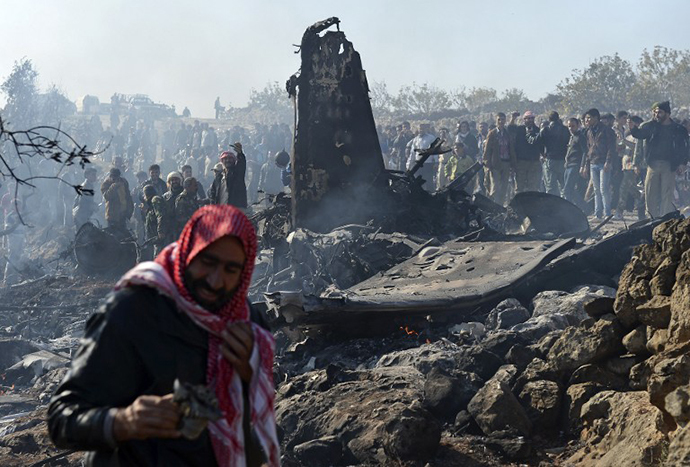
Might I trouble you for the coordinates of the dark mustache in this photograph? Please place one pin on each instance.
(204, 285)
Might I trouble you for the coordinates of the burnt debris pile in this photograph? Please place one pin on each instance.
(589, 376)
(41, 322)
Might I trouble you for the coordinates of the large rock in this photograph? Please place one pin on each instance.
(496, 409)
(667, 375)
(633, 285)
(622, 364)
(542, 402)
(544, 344)
(446, 395)
(621, 429)
(520, 356)
(538, 369)
(655, 312)
(578, 346)
(664, 277)
(412, 435)
(599, 306)
(672, 238)
(499, 342)
(357, 411)
(679, 449)
(478, 360)
(657, 340)
(424, 358)
(679, 326)
(677, 404)
(596, 374)
(324, 452)
(506, 314)
(576, 396)
(555, 310)
(635, 341)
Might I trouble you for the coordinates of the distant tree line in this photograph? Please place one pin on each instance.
(609, 83)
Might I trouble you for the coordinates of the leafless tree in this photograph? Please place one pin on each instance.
(40, 142)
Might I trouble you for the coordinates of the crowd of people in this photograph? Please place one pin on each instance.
(151, 182)
(606, 164)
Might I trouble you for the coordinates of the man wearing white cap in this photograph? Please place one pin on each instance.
(229, 186)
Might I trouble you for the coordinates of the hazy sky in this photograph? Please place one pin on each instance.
(184, 52)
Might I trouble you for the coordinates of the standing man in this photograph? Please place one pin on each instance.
(164, 207)
(420, 142)
(528, 147)
(155, 180)
(554, 138)
(186, 204)
(183, 316)
(499, 159)
(187, 172)
(464, 136)
(600, 160)
(400, 141)
(229, 186)
(118, 201)
(628, 188)
(574, 185)
(666, 152)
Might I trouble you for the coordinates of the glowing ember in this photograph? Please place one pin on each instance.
(408, 331)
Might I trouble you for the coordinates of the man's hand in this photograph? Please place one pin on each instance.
(147, 417)
(237, 346)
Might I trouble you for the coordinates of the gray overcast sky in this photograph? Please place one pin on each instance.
(184, 52)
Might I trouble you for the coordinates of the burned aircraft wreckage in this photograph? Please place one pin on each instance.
(358, 241)
(355, 239)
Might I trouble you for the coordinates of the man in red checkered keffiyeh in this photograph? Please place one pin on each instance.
(183, 316)
(207, 273)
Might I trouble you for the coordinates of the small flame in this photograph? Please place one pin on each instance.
(428, 341)
(408, 331)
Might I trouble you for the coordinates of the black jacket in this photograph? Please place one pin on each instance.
(555, 137)
(577, 150)
(528, 146)
(678, 147)
(138, 343)
(235, 191)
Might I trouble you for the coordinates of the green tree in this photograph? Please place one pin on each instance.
(663, 74)
(54, 106)
(381, 99)
(421, 99)
(477, 99)
(272, 98)
(512, 99)
(604, 84)
(21, 91)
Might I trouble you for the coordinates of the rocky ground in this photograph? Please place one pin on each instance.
(589, 376)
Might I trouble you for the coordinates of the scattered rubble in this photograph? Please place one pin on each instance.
(505, 337)
(41, 322)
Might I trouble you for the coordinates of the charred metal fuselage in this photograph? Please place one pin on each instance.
(337, 163)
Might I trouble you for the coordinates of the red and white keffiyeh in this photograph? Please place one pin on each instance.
(166, 274)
